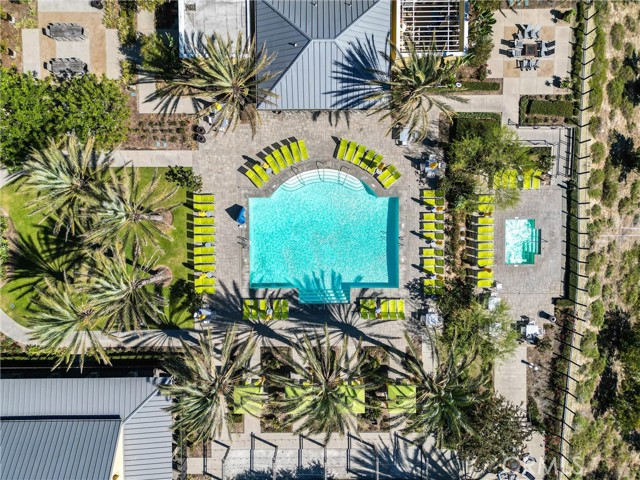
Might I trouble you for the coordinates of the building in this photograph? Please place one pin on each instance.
(84, 428)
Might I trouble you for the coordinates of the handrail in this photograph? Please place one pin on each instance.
(297, 173)
(345, 173)
(318, 162)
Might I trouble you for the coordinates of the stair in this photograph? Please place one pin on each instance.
(320, 296)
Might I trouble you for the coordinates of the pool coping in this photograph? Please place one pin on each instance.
(333, 164)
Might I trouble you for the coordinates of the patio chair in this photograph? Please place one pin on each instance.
(287, 154)
(204, 250)
(204, 239)
(295, 150)
(304, 155)
(359, 154)
(280, 159)
(203, 221)
(254, 178)
(342, 149)
(273, 164)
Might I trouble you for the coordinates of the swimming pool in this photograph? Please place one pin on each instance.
(323, 232)
(521, 241)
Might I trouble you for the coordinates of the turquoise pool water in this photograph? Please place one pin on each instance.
(521, 241)
(323, 232)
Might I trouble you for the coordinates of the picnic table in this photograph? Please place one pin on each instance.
(65, 66)
(65, 31)
(531, 49)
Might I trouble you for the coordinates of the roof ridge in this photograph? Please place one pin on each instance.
(139, 407)
(286, 20)
(362, 15)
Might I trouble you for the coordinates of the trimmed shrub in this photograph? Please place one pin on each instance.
(609, 192)
(598, 152)
(558, 108)
(596, 177)
(597, 313)
(481, 86)
(617, 35)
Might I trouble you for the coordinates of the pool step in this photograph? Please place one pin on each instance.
(323, 296)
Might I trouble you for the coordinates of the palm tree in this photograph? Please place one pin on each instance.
(323, 371)
(444, 398)
(416, 83)
(68, 324)
(131, 212)
(66, 181)
(121, 292)
(228, 74)
(203, 382)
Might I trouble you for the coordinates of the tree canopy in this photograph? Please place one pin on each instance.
(35, 111)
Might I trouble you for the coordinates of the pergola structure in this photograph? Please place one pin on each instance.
(439, 24)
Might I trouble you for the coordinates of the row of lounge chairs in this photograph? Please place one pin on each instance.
(277, 161)
(368, 160)
(382, 309)
(508, 179)
(432, 228)
(480, 251)
(204, 260)
(263, 309)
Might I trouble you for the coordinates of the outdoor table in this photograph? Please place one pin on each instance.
(531, 50)
(65, 31)
(402, 399)
(71, 65)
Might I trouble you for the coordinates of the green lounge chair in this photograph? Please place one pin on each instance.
(526, 179)
(439, 262)
(304, 154)
(273, 164)
(261, 173)
(384, 307)
(287, 154)
(204, 238)
(359, 154)
(342, 149)
(485, 262)
(204, 207)
(204, 259)
(255, 179)
(391, 180)
(203, 230)
(535, 181)
(203, 221)
(204, 282)
(205, 268)
(366, 159)
(386, 173)
(203, 198)
(295, 150)
(351, 150)
(206, 290)
(428, 194)
(280, 159)
(374, 163)
(401, 315)
(393, 310)
(484, 220)
(204, 250)
(486, 198)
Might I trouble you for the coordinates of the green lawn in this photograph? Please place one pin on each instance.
(16, 295)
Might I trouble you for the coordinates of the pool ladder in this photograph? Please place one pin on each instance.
(297, 173)
(318, 163)
(346, 173)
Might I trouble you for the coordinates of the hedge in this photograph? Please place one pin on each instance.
(481, 86)
(558, 108)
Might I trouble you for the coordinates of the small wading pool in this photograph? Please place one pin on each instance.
(323, 232)
(521, 241)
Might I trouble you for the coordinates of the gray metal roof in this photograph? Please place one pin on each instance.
(321, 49)
(58, 449)
(135, 402)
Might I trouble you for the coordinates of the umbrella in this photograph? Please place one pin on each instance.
(241, 220)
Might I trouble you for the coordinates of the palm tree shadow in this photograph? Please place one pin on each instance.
(357, 75)
(397, 459)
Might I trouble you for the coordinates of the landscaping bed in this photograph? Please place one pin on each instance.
(26, 16)
(546, 110)
(272, 419)
(487, 87)
(50, 254)
(376, 370)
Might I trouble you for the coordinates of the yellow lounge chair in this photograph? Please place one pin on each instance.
(273, 164)
(204, 250)
(295, 150)
(342, 149)
(359, 154)
(261, 173)
(255, 179)
(351, 150)
(485, 254)
(203, 221)
(205, 268)
(486, 229)
(204, 230)
(280, 159)
(207, 290)
(485, 237)
(204, 259)
(304, 154)
(204, 238)
(287, 154)
(484, 283)
(203, 198)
